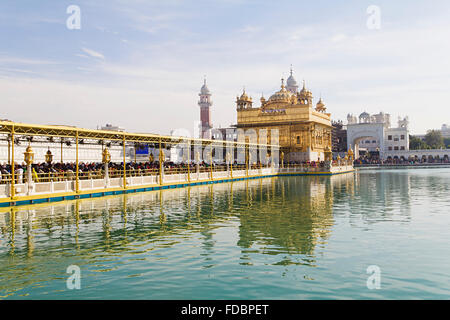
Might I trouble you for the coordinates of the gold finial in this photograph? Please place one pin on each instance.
(106, 156)
(48, 156)
(282, 83)
(29, 155)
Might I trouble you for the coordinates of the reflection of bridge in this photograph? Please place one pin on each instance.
(253, 161)
(55, 190)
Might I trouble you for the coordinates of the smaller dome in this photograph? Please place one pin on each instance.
(263, 100)
(204, 89)
(244, 96)
(320, 103)
(320, 106)
(304, 91)
(291, 82)
(364, 115)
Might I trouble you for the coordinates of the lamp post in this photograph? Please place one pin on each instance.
(189, 161)
(106, 159)
(211, 159)
(197, 160)
(29, 158)
(328, 155)
(49, 157)
(161, 164)
(248, 161)
(282, 159)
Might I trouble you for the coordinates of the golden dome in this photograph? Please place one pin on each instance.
(303, 91)
(320, 105)
(283, 95)
(263, 100)
(244, 97)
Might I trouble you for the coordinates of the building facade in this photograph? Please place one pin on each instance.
(374, 133)
(303, 131)
(445, 131)
(338, 137)
(111, 127)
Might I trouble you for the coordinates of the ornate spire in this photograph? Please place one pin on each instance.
(291, 83)
(204, 89)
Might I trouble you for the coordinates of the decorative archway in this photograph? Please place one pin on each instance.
(360, 131)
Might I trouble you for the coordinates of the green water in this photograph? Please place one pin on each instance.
(280, 238)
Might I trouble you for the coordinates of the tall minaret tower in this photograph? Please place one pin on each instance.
(205, 113)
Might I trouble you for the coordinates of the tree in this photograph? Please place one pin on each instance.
(416, 143)
(434, 139)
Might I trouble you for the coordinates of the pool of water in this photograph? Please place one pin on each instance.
(277, 238)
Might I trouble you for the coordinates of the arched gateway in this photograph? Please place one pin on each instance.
(359, 131)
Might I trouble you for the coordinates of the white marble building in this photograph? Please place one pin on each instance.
(374, 133)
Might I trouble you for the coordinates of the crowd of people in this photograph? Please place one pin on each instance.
(67, 170)
(399, 161)
(96, 169)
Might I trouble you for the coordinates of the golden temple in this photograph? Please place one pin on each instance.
(304, 131)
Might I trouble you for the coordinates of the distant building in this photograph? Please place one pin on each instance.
(374, 133)
(110, 127)
(229, 134)
(338, 137)
(445, 131)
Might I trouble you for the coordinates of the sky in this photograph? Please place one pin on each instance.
(139, 64)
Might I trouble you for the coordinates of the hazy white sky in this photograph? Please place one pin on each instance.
(140, 64)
